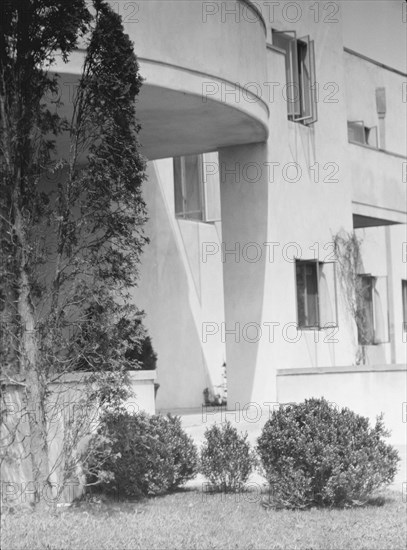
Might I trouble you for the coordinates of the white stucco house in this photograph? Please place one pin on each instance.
(271, 127)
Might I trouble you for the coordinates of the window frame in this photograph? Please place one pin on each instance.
(366, 130)
(299, 109)
(319, 267)
(404, 302)
(205, 214)
(186, 214)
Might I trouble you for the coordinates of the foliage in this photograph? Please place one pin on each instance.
(314, 454)
(95, 343)
(226, 458)
(143, 354)
(141, 454)
(348, 254)
(72, 216)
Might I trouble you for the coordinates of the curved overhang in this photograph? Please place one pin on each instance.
(182, 111)
(205, 75)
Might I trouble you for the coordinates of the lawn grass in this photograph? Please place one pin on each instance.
(195, 520)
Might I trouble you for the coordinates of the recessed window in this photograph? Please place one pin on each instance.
(372, 310)
(300, 89)
(196, 187)
(316, 294)
(359, 133)
(404, 298)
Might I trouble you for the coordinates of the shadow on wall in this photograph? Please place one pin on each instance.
(165, 293)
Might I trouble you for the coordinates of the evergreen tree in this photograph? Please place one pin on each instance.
(71, 208)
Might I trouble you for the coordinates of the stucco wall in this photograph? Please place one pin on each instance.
(367, 391)
(362, 79)
(377, 178)
(180, 292)
(299, 209)
(295, 193)
(197, 36)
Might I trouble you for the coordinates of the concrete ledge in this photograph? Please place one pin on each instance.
(378, 149)
(76, 377)
(374, 61)
(143, 375)
(353, 369)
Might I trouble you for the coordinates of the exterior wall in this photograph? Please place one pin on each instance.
(299, 210)
(180, 291)
(362, 79)
(286, 189)
(303, 187)
(375, 173)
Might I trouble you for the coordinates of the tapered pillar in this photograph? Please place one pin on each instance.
(245, 191)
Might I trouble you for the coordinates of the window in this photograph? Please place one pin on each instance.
(372, 310)
(316, 294)
(404, 298)
(359, 133)
(196, 187)
(300, 90)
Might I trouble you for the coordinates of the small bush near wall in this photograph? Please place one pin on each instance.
(138, 455)
(226, 458)
(316, 455)
(144, 354)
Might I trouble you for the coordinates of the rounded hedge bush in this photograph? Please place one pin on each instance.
(313, 454)
(226, 458)
(137, 455)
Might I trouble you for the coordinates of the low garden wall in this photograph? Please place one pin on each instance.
(367, 390)
(65, 403)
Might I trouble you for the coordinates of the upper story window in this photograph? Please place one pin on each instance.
(316, 294)
(196, 187)
(372, 310)
(359, 133)
(300, 76)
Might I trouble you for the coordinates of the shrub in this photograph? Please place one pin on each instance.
(144, 355)
(129, 337)
(314, 454)
(139, 454)
(226, 458)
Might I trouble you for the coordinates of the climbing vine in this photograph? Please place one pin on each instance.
(347, 248)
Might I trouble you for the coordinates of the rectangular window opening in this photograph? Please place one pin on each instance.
(316, 294)
(359, 133)
(197, 187)
(404, 299)
(301, 92)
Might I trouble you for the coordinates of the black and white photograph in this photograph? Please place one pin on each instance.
(203, 274)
